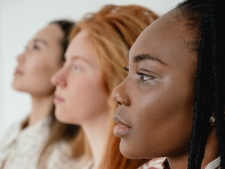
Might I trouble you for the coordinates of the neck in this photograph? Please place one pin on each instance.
(95, 131)
(41, 108)
(211, 153)
(212, 148)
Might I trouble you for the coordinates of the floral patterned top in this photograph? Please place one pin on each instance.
(21, 149)
(161, 163)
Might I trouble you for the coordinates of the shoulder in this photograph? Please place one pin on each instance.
(61, 156)
(9, 139)
(11, 134)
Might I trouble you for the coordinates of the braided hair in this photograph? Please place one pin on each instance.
(206, 16)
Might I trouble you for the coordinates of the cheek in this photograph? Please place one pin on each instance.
(87, 99)
(41, 71)
(41, 68)
(36, 77)
(162, 121)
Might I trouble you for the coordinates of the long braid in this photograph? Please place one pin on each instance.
(197, 143)
(218, 53)
(208, 104)
(197, 118)
(210, 78)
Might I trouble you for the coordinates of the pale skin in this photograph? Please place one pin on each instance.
(40, 60)
(81, 97)
(156, 99)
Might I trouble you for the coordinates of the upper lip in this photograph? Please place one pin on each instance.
(18, 71)
(119, 121)
(57, 97)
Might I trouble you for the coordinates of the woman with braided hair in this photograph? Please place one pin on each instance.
(171, 104)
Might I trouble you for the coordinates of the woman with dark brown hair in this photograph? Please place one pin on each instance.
(40, 141)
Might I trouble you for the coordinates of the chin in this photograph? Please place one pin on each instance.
(13, 84)
(17, 87)
(129, 151)
(63, 117)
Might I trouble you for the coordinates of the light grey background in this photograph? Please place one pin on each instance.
(20, 20)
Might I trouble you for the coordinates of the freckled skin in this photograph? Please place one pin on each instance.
(80, 83)
(159, 110)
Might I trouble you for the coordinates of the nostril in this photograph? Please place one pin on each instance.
(118, 103)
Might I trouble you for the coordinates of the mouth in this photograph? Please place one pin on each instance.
(18, 72)
(58, 100)
(121, 128)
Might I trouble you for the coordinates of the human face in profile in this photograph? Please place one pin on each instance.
(81, 96)
(40, 60)
(155, 109)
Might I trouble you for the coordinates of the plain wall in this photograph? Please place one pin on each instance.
(20, 20)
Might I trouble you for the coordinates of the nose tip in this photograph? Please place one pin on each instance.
(20, 58)
(115, 97)
(120, 96)
(58, 79)
(53, 80)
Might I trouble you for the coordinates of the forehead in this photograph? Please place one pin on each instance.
(81, 47)
(50, 33)
(166, 39)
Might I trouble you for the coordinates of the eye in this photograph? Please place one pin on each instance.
(36, 47)
(145, 77)
(76, 68)
(126, 68)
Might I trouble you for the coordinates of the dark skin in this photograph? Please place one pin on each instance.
(156, 99)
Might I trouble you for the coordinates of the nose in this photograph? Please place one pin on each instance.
(20, 58)
(120, 95)
(59, 78)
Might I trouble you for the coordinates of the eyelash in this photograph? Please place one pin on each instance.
(142, 75)
(145, 77)
(36, 47)
(75, 67)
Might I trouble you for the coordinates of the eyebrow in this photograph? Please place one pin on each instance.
(41, 41)
(81, 58)
(142, 57)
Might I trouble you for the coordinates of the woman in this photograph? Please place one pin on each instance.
(171, 104)
(93, 67)
(40, 141)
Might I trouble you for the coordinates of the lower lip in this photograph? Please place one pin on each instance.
(120, 130)
(58, 100)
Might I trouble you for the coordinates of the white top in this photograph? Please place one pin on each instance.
(21, 149)
(214, 164)
(157, 163)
